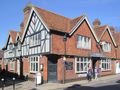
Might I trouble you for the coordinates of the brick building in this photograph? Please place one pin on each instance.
(60, 48)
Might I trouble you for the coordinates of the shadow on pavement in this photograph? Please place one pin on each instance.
(118, 81)
(33, 89)
(79, 87)
(8, 78)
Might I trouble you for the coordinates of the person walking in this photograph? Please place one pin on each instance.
(89, 74)
(96, 73)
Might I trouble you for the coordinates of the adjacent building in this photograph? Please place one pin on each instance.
(1, 60)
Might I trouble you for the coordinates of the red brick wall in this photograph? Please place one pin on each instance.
(69, 74)
(26, 66)
(44, 61)
(57, 44)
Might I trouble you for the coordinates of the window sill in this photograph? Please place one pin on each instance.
(11, 69)
(84, 49)
(105, 70)
(33, 72)
(107, 51)
(80, 72)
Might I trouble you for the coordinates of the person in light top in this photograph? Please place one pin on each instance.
(96, 73)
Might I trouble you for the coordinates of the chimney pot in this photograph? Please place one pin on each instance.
(96, 23)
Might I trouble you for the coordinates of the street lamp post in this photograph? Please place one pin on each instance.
(13, 83)
(64, 58)
(2, 83)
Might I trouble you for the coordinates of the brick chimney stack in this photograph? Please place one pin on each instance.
(96, 23)
(22, 27)
(26, 11)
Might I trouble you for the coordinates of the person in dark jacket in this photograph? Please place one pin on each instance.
(89, 74)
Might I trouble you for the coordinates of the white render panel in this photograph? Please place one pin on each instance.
(40, 44)
(47, 45)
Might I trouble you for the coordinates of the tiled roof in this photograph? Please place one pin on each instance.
(13, 35)
(1, 54)
(57, 22)
(74, 21)
(102, 27)
(20, 34)
(116, 36)
(54, 21)
(100, 30)
(98, 33)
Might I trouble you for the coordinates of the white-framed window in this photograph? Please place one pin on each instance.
(106, 47)
(12, 65)
(82, 64)
(84, 42)
(105, 64)
(34, 64)
(35, 39)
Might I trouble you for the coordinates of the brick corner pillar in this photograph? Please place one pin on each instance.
(44, 62)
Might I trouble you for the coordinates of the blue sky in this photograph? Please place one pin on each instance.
(11, 12)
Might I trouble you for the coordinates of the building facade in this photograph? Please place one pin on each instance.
(1, 60)
(62, 49)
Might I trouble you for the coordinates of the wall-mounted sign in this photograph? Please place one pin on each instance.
(69, 65)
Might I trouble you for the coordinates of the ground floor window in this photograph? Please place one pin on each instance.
(12, 65)
(81, 64)
(34, 64)
(105, 64)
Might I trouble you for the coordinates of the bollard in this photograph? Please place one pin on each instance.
(13, 83)
(2, 83)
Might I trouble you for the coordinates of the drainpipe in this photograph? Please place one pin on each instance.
(64, 58)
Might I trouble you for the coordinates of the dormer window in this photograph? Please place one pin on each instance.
(106, 47)
(84, 42)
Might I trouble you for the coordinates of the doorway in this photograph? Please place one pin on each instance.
(52, 69)
(94, 64)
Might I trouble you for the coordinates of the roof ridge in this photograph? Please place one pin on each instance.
(78, 17)
(52, 12)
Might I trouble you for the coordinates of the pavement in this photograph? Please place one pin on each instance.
(30, 85)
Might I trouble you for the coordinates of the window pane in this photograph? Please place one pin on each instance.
(78, 67)
(36, 66)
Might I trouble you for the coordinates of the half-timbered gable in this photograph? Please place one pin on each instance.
(10, 47)
(36, 36)
(18, 45)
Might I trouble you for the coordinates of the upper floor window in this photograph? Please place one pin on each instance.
(35, 39)
(84, 42)
(106, 47)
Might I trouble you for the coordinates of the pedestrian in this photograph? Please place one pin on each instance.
(96, 73)
(89, 74)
